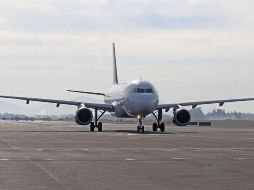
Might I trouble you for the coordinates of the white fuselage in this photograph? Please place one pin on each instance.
(138, 98)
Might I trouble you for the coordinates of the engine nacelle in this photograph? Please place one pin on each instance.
(83, 116)
(182, 117)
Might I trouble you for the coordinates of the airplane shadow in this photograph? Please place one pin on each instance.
(83, 131)
(146, 132)
(105, 131)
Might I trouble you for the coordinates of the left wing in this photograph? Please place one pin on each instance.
(195, 104)
(105, 107)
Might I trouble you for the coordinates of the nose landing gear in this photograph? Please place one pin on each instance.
(140, 127)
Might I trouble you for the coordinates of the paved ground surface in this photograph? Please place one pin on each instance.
(55, 155)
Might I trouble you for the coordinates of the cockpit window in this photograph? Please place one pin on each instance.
(142, 90)
(149, 90)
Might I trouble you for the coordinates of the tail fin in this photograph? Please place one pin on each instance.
(115, 78)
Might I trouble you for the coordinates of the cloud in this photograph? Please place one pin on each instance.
(47, 46)
(3, 21)
(111, 15)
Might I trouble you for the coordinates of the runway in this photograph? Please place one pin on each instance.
(61, 155)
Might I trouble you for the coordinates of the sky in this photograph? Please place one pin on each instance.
(190, 50)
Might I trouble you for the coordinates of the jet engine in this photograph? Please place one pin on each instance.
(83, 116)
(182, 117)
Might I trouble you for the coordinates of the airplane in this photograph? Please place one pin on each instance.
(135, 99)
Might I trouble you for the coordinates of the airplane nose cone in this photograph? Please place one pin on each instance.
(142, 105)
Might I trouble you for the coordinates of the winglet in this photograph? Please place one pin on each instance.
(115, 78)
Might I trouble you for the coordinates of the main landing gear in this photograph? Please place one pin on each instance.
(158, 125)
(97, 124)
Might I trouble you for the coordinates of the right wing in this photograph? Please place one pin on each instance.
(105, 107)
(195, 104)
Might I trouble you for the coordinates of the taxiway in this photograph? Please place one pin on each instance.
(60, 155)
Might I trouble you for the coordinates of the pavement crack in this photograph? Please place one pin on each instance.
(56, 179)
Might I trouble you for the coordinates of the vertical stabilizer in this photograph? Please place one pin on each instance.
(115, 79)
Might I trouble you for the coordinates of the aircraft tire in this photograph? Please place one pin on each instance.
(142, 129)
(92, 126)
(100, 126)
(155, 126)
(138, 129)
(162, 127)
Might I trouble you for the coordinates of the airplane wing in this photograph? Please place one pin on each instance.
(105, 107)
(195, 104)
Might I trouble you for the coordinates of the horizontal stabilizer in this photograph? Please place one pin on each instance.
(94, 93)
